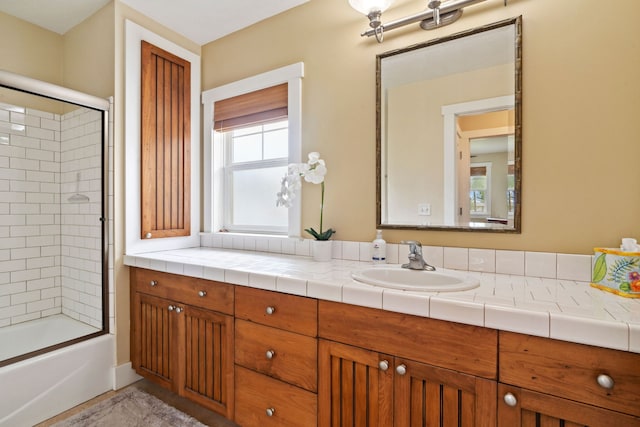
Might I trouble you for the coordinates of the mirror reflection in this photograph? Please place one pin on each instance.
(449, 133)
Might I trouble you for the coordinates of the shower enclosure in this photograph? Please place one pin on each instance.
(53, 217)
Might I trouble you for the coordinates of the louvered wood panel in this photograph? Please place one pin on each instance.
(165, 144)
(432, 396)
(208, 368)
(152, 338)
(352, 390)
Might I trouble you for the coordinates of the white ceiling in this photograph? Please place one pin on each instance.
(201, 21)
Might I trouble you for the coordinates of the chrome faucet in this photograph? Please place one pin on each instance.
(416, 261)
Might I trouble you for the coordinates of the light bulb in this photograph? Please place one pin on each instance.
(368, 6)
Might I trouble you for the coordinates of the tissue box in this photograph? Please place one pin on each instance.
(617, 271)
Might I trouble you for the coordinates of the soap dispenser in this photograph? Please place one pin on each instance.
(379, 249)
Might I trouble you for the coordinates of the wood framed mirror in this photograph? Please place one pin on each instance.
(449, 132)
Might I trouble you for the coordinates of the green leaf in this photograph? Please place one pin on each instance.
(325, 235)
(625, 287)
(599, 268)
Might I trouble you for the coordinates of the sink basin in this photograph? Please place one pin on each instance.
(395, 277)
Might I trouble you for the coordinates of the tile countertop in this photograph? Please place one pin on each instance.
(561, 309)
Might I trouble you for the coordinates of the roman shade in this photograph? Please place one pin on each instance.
(250, 108)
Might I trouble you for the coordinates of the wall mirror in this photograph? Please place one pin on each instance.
(449, 132)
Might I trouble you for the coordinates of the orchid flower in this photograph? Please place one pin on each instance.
(314, 172)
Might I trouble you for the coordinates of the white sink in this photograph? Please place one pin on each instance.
(395, 277)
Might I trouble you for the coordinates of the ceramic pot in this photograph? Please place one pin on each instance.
(321, 250)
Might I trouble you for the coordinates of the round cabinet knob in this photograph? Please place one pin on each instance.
(270, 354)
(401, 369)
(271, 412)
(178, 310)
(270, 310)
(148, 235)
(383, 365)
(171, 308)
(510, 399)
(202, 293)
(153, 283)
(605, 381)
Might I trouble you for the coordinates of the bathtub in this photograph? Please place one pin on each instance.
(38, 388)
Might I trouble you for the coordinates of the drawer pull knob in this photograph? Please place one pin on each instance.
(270, 310)
(401, 369)
(153, 283)
(510, 399)
(270, 354)
(605, 381)
(178, 310)
(383, 365)
(271, 412)
(148, 236)
(171, 308)
(202, 293)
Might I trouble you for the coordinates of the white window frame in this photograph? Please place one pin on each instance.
(229, 168)
(213, 155)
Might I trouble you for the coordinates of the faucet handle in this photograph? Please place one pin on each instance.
(415, 247)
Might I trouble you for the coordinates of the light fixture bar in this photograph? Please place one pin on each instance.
(429, 14)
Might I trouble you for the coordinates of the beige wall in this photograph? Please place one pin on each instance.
(581, 103)
(88, 54)
(30, 50)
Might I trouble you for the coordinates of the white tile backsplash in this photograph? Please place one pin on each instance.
(574, 267)
(456, 258)
(483, 260)
(510, 262)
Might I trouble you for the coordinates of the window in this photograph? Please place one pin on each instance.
(255, 159)
(479, 189)
(252, 133)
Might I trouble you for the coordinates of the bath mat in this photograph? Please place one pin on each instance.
(130, 408)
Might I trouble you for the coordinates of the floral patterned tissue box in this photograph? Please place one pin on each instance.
(617, 271)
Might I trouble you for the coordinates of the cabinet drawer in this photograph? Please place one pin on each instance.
(189, 290)
(465, 348)
(288, 405)
(571, 371)
(289, 312)
(292, 358)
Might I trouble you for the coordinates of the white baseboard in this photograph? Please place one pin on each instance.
(124, 375)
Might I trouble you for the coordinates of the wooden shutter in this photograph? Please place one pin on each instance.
(166, 144)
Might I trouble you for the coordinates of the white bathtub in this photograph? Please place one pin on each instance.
(38, 388)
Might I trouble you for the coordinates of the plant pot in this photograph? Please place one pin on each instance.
(321, 250)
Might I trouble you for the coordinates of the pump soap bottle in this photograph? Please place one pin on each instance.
(379, 249)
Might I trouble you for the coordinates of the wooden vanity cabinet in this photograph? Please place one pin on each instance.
(556, 383)
(182, 336)
(379, 368)
(276, 359)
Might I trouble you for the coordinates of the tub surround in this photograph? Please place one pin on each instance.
(564, 307)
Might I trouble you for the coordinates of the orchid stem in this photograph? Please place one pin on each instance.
(321, 205)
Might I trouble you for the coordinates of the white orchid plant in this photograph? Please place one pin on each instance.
(313, 171)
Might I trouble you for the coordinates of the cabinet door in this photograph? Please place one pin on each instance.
(206, 338)
(355, 386)
(425, 395)
(153, 338)
(526, 408)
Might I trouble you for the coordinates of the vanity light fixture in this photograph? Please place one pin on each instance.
(438, 14)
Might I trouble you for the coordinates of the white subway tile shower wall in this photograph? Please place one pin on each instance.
(518, 263)
(48, 249)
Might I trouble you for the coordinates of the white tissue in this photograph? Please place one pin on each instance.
(629, 245)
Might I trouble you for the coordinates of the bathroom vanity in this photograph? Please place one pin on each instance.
(274, 349)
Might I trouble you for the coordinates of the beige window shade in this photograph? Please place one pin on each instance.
(250, 108)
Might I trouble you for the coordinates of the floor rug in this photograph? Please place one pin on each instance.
(130, 408)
